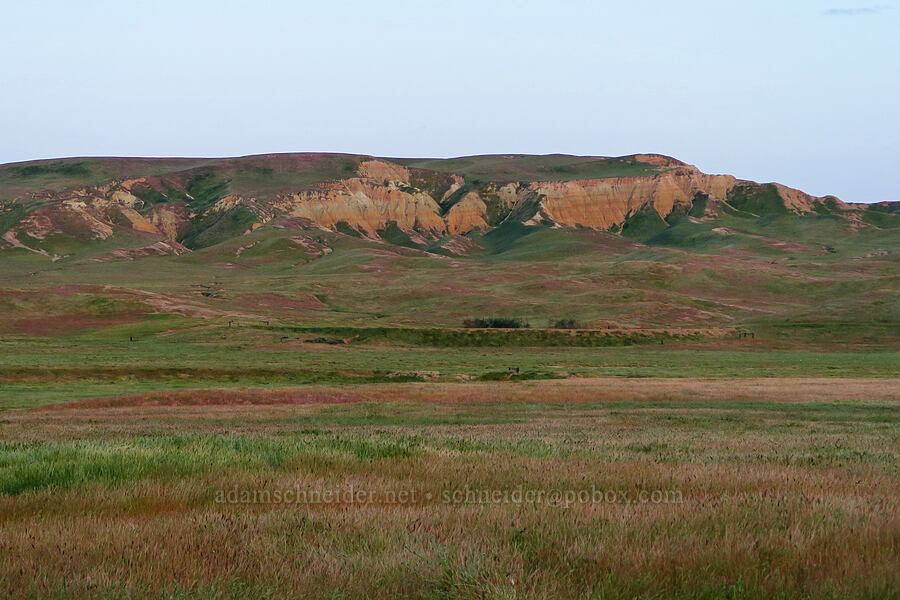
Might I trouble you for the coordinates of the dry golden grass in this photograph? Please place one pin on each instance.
(775, 488)
(593, 389)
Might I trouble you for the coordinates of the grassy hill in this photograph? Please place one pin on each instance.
(232, 247)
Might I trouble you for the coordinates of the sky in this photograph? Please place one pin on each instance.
(803, 92)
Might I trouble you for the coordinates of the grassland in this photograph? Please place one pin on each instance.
(554, 167)
(688, 488)
(712, 467)
(263, 175)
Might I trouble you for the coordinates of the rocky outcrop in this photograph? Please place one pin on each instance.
(158, 249)
(468, 214)
(366, 206)
(605, 203)
(801, 202)
(170, 219)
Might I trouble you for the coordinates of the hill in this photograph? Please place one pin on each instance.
(189, 203)
(638, 242)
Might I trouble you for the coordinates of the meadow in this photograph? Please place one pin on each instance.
(577, 488)
(177, 441)
(152, 356)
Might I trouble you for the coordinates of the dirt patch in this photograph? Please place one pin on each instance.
(157, 249)
(53, 325)
(220, 397)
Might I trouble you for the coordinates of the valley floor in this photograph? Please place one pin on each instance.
(588, 487)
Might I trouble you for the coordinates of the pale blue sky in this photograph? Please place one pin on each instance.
(803, 92)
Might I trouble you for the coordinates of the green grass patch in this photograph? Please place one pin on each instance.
(757, 199)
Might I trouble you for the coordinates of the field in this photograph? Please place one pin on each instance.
(161, 418)
(591, 488)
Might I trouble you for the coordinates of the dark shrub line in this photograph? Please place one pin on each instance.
(495, 323)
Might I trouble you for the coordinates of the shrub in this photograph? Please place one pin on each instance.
(495, 323)
(565, 324)
(325, 340)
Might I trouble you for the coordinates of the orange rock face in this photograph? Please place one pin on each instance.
(366, 206)
(138, 222)
(468, 214)
(602, 203)
(370, 202)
